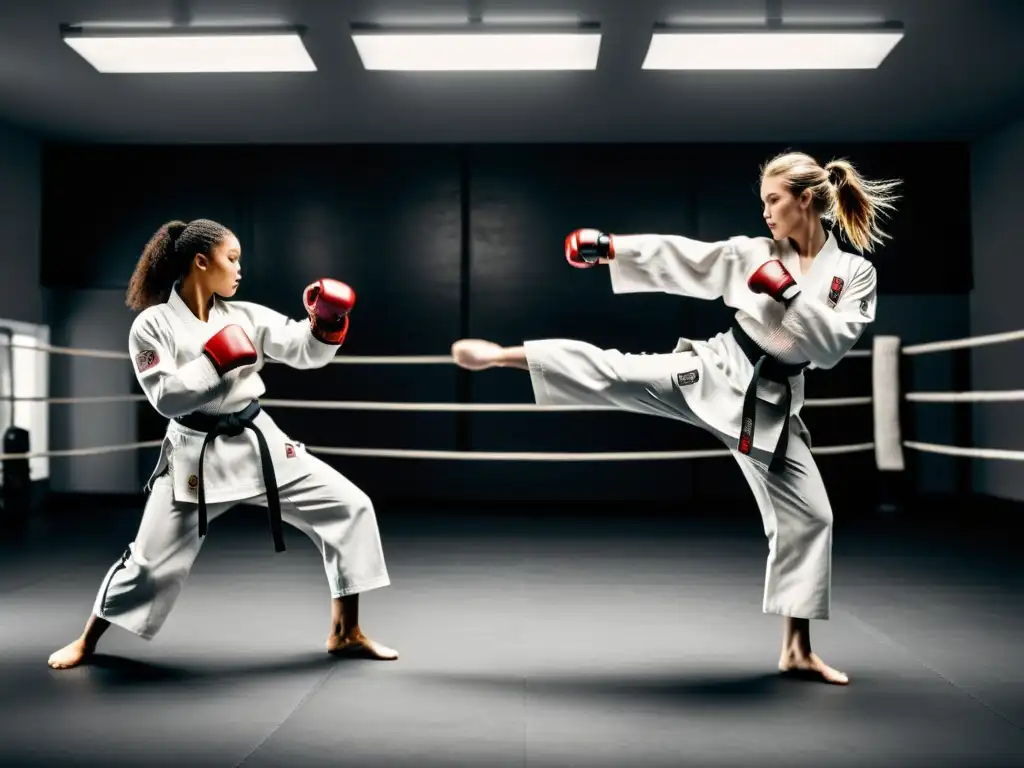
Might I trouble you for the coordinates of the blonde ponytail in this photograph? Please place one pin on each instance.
(859, 204)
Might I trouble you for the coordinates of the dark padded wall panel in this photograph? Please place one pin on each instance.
(525, 200)
(441, 242)
(101, 205)
(386, 221)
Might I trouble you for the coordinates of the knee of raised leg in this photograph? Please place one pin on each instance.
(623, 380)
(639, 378)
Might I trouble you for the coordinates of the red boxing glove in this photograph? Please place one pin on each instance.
(328, 303)
(773, 279)
(585, 247)
(230, 348)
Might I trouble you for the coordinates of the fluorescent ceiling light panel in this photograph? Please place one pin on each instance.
(187, 51)
(763, 49)
(483, 51)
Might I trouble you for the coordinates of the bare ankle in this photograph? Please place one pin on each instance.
(796, 651)
(343, 630)
(513, 357)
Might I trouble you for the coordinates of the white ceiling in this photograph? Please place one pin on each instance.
(958, 73)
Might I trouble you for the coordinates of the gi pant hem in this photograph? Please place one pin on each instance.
(147, 633)
(366, 586)
(818, 614)
(538, 380)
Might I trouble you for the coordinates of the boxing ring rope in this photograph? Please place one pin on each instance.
(340, 360)
(357, 360)
(974, 453)
(369, 405)
(886, 353)
(970, 341)
(400, 453)
(95, 451)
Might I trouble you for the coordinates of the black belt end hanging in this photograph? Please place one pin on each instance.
(765, 366)
(749, 413)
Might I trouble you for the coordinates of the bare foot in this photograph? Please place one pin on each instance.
(359, 646)
(71, 655)
(810, 667)
(476, 354)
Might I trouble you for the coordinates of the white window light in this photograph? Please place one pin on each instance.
(478, 50)
(184, 50)
(771, 48)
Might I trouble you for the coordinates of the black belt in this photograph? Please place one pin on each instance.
(772, 369)
(232, 425)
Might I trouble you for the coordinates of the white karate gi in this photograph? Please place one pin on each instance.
(703, 382)
(166, 343)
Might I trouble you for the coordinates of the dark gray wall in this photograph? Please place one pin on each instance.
(20, 212)
(442, 242)
(997, 189)
(21, 307)
(91, 319)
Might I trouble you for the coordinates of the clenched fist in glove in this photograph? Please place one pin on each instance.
(773, 279)
(328, 303)
(585, 247)
(230, 348)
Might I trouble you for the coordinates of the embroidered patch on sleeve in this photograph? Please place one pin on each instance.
(835, 290)
(146, 359)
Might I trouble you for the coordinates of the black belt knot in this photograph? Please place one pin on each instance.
(232, 425)
(772, 369)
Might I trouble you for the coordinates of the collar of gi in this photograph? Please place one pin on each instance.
(181, 309)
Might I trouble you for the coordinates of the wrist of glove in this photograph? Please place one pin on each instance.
(328, 303)
(586, 247)
(774, 280)
(329, 332)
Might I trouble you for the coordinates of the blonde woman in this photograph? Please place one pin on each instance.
(801, 302)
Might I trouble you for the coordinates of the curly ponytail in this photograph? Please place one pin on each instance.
(840, 195)
(167, 257)
(860, 203)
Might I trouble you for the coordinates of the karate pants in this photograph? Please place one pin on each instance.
(141, 588)
(794, 505)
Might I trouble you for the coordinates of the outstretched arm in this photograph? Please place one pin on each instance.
(664, 263)
(824, 333)
(310, 343)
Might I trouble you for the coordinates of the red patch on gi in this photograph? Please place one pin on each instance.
(289, 450)
(146, 359)
(837, 288)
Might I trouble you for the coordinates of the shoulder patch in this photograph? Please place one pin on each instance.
(835, 290)
(146, 359)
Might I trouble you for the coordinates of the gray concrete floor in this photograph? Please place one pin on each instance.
(540, 639)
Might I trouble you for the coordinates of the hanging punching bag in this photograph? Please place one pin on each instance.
(17, 490)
